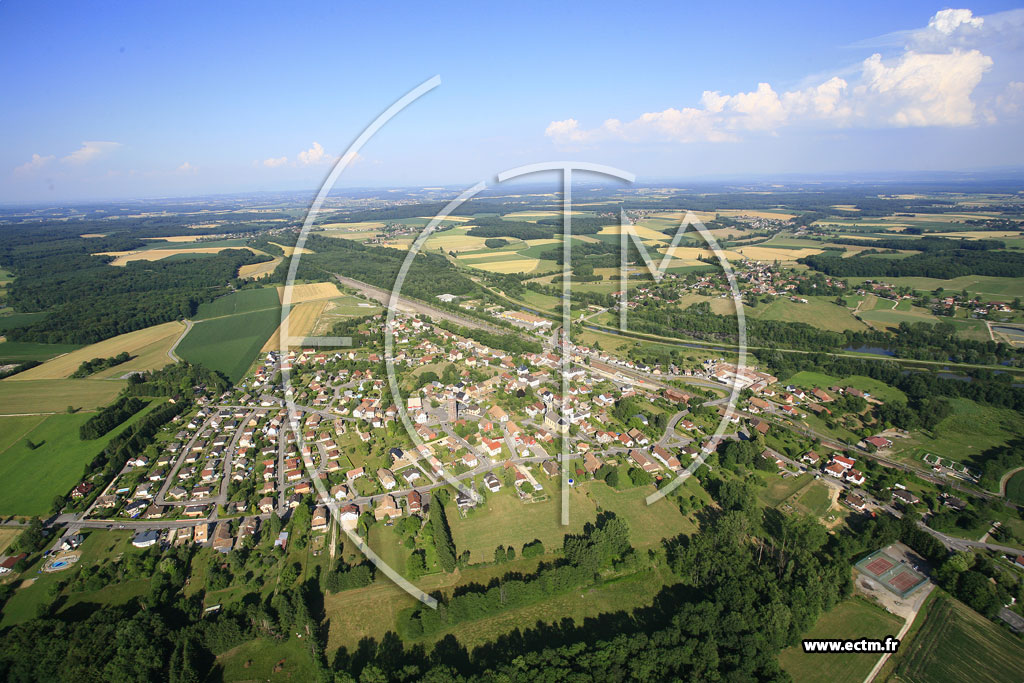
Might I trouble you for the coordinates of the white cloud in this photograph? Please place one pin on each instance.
(930, 82)
(90, 151)
(922, 89)
(275, 163)
(36, 163)
(1011, 100)
(186, 168)
(949, 20)
(313, 155)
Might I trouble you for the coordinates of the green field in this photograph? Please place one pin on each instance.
(1015, 488)
(970, 430)
(8, 322)
(854, 618)
(814, 500)
(819, 311)
(258, 659)
(30, 479)
(244, 301)
(55, 395)
(19, 352)
(230, 343)
(876, 388)
(990, 288)
(955, 643)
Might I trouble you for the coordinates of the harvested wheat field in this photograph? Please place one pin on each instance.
(776, 254)
(148, 347)
(288, 251)
(259, 270)
(310, 292)
(517, 266)
(123, 257)
(639, 230)
(93, 234)
(186, 238)
(301, 322)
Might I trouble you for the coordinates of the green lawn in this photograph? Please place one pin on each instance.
(648, 524)
(779, 489)
(504, 520)
(230, 343)
(956, 643)
(854, 618)
(877, 389)
(30, 479)
(19, 352)
(814, 500)
(819, 311)
(55, 395)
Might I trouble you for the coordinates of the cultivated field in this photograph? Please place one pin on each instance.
(148, 348)
(257, 271)
(125, 257)
(310, 292)
(955, 643)
(18, 352)
(229, 343)
(55, 395)
(302, 319)
(289, 250)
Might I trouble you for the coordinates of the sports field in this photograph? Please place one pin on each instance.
(31, 478)
(55, 395)
(148, 348)
(956, 644)
(853, 618)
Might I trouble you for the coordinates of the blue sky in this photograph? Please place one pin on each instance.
(110, 100)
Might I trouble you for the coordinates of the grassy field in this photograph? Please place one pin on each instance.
(648, 524)
(19, 352)
(814, 500)
(122, 258)
(55, 395)
(258, 659)
(12, 320)
(1015, 488)
(877, 389)
(853, 618)
(16, 428)
(148, 348)
(480, 534)
(780, 489)
(230, 343)
(971, 429)
(956, 643)
(819, 311)
(244, 301)
(29, 479)
(990, 288)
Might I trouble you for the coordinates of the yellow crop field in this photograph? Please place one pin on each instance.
(288, 250)
(148, 347)
(93, 234)
(526, 215)
(185, 238)
(639, 230)
(733, 213)
(357, 235)
(353, 227)
(703, 216)
(979, 234)
(454, 242)
(518, 266)
(310, 292)
(259, 270)
(776, 254)
(301, 322)
(552, 240)
(845, 207)
(124, 257)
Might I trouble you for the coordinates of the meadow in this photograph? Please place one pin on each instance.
(853, 618)
(969, 431)
(243, 301)
(31, 478)
(19, 352)
(55, 395)
(1015, 488)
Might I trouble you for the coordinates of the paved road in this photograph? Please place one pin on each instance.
(171, 351)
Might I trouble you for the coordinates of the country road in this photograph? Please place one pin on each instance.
(171, 351)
